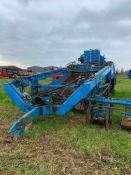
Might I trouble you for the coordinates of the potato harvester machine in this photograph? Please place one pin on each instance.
(86, 85)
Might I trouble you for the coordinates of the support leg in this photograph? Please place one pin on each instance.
(89, 117)
(107, 124)
(19, 126)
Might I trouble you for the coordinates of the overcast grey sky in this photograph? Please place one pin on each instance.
(55, 32)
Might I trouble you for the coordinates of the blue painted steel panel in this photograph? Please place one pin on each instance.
(129, 73)
(92, 56)
(83, 91)
(19, 126)
(111, 101)
(17, 97)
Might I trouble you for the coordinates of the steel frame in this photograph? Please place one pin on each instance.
(88, 90)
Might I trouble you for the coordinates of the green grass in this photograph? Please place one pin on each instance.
(123, 88)
(67, 145)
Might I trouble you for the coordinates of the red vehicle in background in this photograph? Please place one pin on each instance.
(4, 74)
(12, 72)
(9, 71)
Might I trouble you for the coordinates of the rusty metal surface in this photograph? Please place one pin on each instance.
(75, 76)
(126, 123)
(66, 92)
(61, 94)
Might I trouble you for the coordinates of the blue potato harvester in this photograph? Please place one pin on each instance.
(85, 85)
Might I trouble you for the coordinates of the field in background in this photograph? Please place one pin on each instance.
(67, 145)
